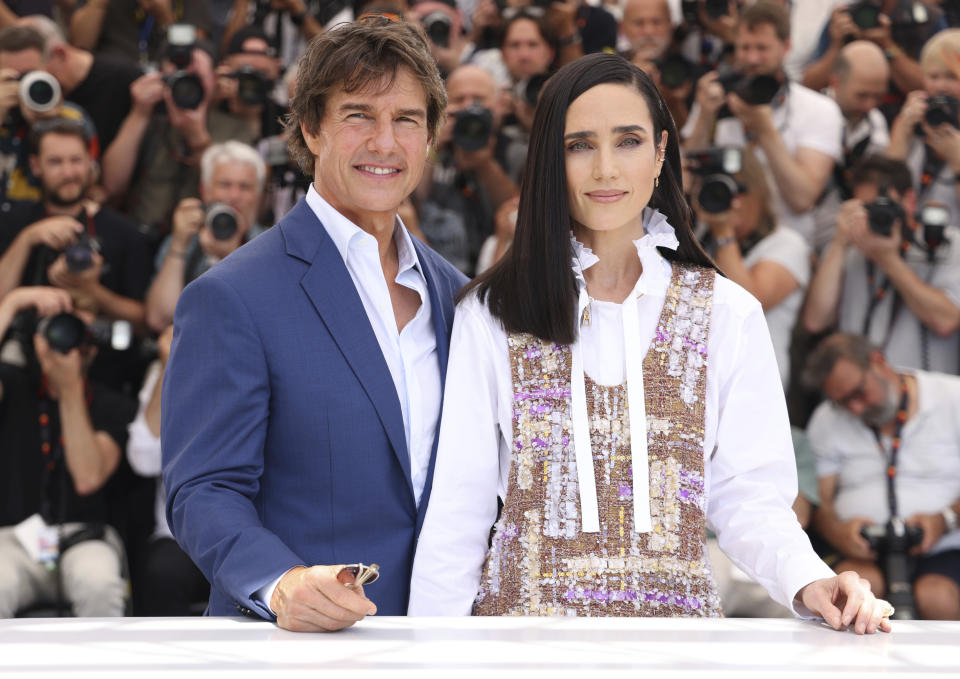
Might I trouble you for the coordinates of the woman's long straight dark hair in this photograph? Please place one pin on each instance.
(533, 289)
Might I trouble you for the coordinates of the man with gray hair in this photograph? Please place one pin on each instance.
(887, 447)
(207, 229)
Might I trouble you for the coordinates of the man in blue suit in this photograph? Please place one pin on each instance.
(302, 395)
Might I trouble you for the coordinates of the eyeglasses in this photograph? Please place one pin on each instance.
(362, 574)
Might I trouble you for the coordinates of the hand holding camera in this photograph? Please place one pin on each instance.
(57, 233)
(77, 273)
(9, 91)
(842, 27)
(45, 300)
(64, 370)
(146, 92)
(187, 220)
(221, 233)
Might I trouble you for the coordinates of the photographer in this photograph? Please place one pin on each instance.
(925, 135)
(27, 96)
(888, 277)
(469, 179)
(899, 27)
(858, 84)
(233, 176)
(157, 157)
(63, 435)
(769, 260)
(796, 132)
(245, 81)
(289, 24)
(887, 446)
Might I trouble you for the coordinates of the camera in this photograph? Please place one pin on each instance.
(65, 332)
(934, 219)
(716, 166)
(472, 128)
(528, 90)
(186, 89)
(712, 8)
(942, 108)
(755, 90)
(79, 255)
(39, 91)
(883, 213)
(675, 71)
(222, 220)
(437, 26)
(252, 86)
(865, 14)
(892, 543)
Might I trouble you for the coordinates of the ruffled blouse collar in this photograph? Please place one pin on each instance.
(657, 233)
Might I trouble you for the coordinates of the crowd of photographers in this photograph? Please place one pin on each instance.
(141, 142)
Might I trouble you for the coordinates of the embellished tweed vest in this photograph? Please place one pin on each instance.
(540, 563)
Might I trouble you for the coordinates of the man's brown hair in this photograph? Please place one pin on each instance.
(767, 12)
(364, 54)
(19, 38)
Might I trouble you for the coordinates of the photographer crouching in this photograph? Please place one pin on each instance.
(62, 439)
(887, 448)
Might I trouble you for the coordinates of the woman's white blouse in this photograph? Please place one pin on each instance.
(750, 471)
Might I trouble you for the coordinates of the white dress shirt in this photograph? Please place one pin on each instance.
(750, 472)
(410, 354)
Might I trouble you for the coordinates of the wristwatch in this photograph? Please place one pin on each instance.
(949, 518)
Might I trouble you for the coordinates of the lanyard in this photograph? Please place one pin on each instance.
(894, 448)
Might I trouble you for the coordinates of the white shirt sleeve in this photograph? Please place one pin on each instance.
(143, 446)
(753, 478)
(471, 468)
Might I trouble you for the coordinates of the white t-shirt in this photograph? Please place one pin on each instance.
(750, 471)
(928, 464)
(805, 119)
(903, 339)
(788, 249)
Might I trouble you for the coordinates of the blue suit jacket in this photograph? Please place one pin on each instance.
(283, 439)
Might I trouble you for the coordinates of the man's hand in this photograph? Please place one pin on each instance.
(163, 344)
(880, 34)
(876, 248)
(914, 109)
(187, 220)
(146, 92)
(64, 371)
(933, 527)
(191, 123)
(710, 95)
(845, 599)
(755, 119)
(945, 140)
(848, 540)
(467, 161)
(851, 216)
(82, 281)
(54, 232)
(48, 301)
(220, 248)
(9, 91)
(842, 27)
(721, 224)
(314, 600)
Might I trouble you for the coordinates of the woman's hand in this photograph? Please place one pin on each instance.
(846, 599)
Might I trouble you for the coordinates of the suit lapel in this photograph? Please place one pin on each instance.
(331, 290)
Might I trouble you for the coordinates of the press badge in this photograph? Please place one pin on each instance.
(39, 540)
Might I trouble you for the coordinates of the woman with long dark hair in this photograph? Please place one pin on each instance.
(615, 393)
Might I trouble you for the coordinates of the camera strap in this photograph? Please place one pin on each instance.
(901, 419)
(85, 219)
(932, 166)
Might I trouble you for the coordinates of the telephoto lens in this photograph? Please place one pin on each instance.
(39, 91)
(252, 86)
(65, 332)
(437, 26)
(222, 220)
(186, 89)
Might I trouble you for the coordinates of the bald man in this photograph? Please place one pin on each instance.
(860, 79)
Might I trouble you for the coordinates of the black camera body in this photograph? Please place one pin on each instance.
(222, 220)
(714, 9)
(892, 542)
(65, 332)
(79, 255)
(186, 89)
(865, 14)
(943, 108)
(755, 90)
(253, 87)
(472, 128)
(884, 213)
(438, 26)
(717, 166)
(675, 71)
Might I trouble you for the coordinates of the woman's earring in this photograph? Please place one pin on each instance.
(656, 181)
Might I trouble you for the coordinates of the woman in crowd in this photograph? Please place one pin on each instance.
(616, 394)
(769, 260)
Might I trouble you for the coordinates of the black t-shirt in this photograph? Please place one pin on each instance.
(598, 29)
(31, 481)
(105, 94)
